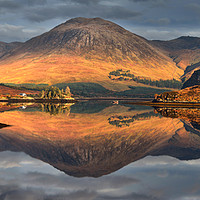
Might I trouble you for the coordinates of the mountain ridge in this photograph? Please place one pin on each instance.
(184, 51)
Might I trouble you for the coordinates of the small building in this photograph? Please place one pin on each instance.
(23, 94)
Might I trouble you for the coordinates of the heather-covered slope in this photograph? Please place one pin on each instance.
(85, 50)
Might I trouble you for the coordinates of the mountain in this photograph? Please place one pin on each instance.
(184, 51)
(5, 48)
(86, 50)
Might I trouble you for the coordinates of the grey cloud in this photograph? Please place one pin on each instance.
(159, 2)
(33, 2)
(159, 22)
(194, 7)
(21, 195)
(50, 186)
(147, 15)
(117, 12)
(61, 181)
(112, 12)
(9, 5)
(131, 196)
(17, 33)
(160, 33)
(160, 177)
(86, 1)
(78, 195)
(142, 0)
(37, 194)
(12, 4)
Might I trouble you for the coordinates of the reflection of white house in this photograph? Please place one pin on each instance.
(23, 94)
(22, 107)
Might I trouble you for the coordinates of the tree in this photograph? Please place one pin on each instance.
(42, 94)
(50, 94)
(67, 92)
(55, 92)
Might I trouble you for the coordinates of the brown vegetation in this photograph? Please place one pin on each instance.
(190, 94)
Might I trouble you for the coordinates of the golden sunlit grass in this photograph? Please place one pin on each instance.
(56, 68)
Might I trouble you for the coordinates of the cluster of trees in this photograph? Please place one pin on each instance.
(166, 96)
(55, 93)
(126, 75)
(161, 83)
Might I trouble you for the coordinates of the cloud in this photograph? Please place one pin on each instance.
(160, 33)
(195, 7)
(20, 3)
(87, 2)
(159, 22)
(4, 4)
(157, 160)
(20, 195)
(147, 15)
(78, 195)
(71, 10)
(140, 0)
(135, 196)
(151, 178)
(17, 33)
(151, 2)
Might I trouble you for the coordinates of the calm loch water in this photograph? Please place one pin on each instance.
(99, 151)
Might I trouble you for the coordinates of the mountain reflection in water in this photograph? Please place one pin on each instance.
(98, 143)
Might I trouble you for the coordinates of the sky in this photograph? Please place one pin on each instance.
(21, 20)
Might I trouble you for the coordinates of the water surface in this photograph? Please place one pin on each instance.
(97, 150)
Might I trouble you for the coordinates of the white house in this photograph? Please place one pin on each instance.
(23, 94)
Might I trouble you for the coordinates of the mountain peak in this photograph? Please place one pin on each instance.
(88, 23)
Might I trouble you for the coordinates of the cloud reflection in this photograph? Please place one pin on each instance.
(151, 178)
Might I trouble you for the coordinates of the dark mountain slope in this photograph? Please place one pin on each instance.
(193, 80)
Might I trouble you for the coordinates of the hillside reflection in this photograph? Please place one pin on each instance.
(98, 139)
(191, 115)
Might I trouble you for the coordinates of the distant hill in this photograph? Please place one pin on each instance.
(184, 51)
(86, 50)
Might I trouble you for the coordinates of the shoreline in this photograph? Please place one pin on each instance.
(168, 104)
(113, 99)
